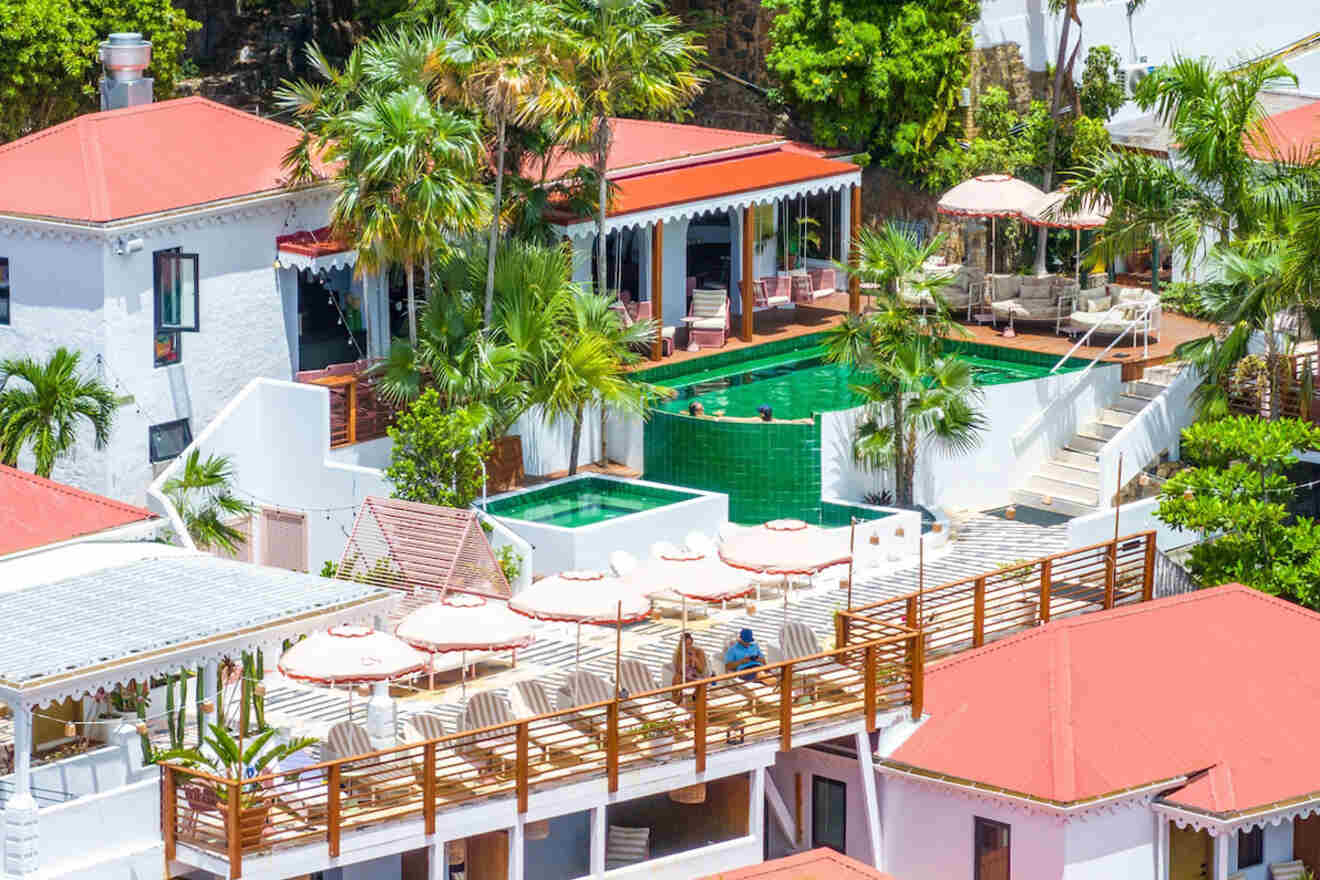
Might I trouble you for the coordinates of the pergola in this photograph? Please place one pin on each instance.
(78, 619)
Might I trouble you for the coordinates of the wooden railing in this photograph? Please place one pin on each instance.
(970, 612)
(357, 413)
(1296, 378)
(232, 819)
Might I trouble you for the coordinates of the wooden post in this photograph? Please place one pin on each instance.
(658, 287)
(612, 745)
(840, 629)
(854, 227)
(352, 411)
(786, 707)
(235, 842)
(748, 301)
(798, 818)
(169, 812)
(978, 612)
(699, 728)
(428, 787)
(1045, 567)
(869, 686)
(1148, 572)
(332, 810)
(912, 612)
(1111, 571)
(917, 669)
(521, 775)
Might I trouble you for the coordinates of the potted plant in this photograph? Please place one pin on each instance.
(222, 755)
(656, 736)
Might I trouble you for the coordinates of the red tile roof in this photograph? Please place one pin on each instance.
(1220, 680)
(35, 511)
(642, 142)
(1295, 135)
(816, 864)
(142, 160)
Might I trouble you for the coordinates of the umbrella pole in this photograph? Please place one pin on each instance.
(992, 245)
(618, 647)
(577, 662)
(682, 648)
(462, 670)
(430, 674)
(1077, 256)
(852, 543)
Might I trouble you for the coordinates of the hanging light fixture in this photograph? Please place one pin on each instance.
(898, 532)
(539, 830)
(937, 527)
(456, 852)
(874, 539)
(142, 728)
(1047, 500)
(259, 689)
(70, 729)
(1010, 512)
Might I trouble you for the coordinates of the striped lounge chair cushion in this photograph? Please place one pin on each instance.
(626, 846)
(533, 697)
(635, 677)
(429, 725)
(796, 639)
(347, 739)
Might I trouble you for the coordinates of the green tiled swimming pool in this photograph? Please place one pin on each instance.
(583, 502)
(798, 383)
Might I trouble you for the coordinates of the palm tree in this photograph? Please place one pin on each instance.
(916, 399)
(45, 415)
(504, 52)
(627, 57)
(204, 497)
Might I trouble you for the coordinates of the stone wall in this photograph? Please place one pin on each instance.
(736, 34)
(1003, 66)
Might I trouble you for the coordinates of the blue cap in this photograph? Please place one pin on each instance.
(746, 635)
(763, 409)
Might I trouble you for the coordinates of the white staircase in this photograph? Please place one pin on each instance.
(1069, 483)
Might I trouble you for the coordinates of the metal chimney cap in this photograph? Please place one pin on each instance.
(125, 57)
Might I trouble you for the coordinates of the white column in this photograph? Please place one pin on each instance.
(676, 272)
(516, 850)
(439, 863)
(380, 708)
(845, 225)
(1221, 856)
(1161, 847)
(598, 831)
(643, 240)
(870, 798)
(21, 819)
(756, 814)
(735, 260)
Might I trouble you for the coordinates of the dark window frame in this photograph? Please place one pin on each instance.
(172, 332)
(1250, 845)
(151, 446)
(978, 823)
(828, 782)
(6, 288)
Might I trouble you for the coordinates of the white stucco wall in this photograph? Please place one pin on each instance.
(111, 836)
(1111, 844)
(809, 763)
(1278, 848)
(1135, 516)
(1002, 462)
(71, 288)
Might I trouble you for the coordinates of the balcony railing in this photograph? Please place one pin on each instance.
(357, 413)
(877, 666)
(1295, 382)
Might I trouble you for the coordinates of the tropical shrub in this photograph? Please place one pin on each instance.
(438, 453)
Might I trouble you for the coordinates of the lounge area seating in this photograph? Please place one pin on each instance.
(708, 318)
(1112, 311)
(769, 293)
(1040, 300)
(806, 288)
(666, 333)
(963, 288)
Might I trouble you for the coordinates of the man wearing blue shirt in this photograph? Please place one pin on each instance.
(744, 654)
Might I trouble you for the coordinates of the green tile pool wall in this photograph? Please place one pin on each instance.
(642, 497)
(767, 470)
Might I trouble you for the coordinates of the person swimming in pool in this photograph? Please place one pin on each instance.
(765, 412)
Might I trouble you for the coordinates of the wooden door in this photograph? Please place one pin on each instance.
(487, 856)
(1306, 842)
(1190, 854)
(284, 539)
(992, 842)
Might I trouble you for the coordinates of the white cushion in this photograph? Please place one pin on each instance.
(776, 300)
(707, 324)
(626, 846)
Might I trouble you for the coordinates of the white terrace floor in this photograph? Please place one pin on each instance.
(980, 544)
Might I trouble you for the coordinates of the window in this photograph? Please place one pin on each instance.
(4, 290)
(991, 850)
(1251, 848)
(175, 302)
(167, 440)
(829, 813)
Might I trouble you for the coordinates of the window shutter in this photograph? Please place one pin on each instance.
(177, 293)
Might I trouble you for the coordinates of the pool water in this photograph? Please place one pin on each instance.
(797, 384)
(575, 503)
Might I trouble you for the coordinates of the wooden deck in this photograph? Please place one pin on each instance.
(778, 324)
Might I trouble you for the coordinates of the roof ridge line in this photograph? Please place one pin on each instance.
(1062, 746)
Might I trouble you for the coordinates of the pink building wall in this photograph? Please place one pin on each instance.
(811, 762)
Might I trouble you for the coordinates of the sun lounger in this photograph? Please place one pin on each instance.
(708, 319)
(799, 640)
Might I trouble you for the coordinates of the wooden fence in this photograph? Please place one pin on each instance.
(1295, 382)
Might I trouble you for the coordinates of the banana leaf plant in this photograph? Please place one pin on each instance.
(223, 756)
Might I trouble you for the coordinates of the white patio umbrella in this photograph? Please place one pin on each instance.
(463, 622)
(785, 547)
(990, 195)
(580, 597)
(1048, 211)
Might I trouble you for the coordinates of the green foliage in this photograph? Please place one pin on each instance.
(204, 497)
(175, 719)
(46, 411)
(866, 74)
(1185, 298)
(1100, 92)
(49, 69)
(511, 563)
(1236, 498)
(438, 453)
(224, 757)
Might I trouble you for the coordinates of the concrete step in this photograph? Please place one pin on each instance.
(1067, 491)
(1148, 390)
(1115, 417)
(1062, 473)
(1057, 504)
(1099, 431)
(1081, 444)
(1071, 458)
(1129, 404)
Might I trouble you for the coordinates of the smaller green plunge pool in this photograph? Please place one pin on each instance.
(583, 502)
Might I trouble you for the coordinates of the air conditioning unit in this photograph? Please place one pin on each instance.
(1131, 75)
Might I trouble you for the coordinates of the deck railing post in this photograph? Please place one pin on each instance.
(521, 772)
(428, 787)
(1148, 571)
(169, 812)
(612, 745)
(1045, 590)
(840, 629)
(1111, 572)
(978, 612)
(915, 663)
(235, 842)
(869, 686)
(911, 615)
(700, 719)
(332, 810)
(352, 411)
(786, 707)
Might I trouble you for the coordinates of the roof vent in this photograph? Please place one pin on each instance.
(124, 60)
